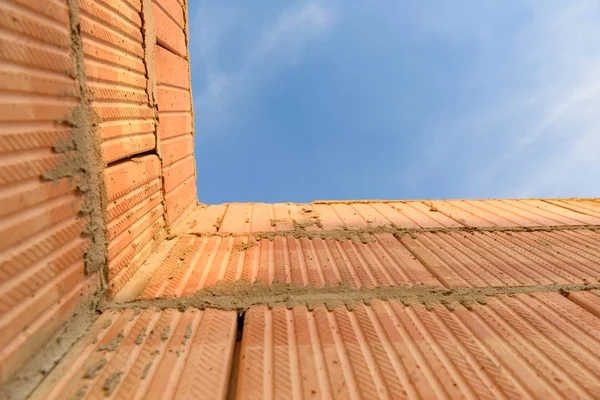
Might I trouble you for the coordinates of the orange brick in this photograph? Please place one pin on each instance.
(171, 99)
(122, 147)
(127, 237)
(178, 172)
(118, 128)
(23, 195)
(98, 70)
(168, 33)
(173, 9)
(22, 50)
(110, 37)
(112, 55)
(171, 69)
(44, 327)
(115, 91)
(26, 23)
(112, 18)
(177, 148)
(180, 198)
(125, 177)
(174, 124)
(120, 7)
(19, 227)
(131, 199)
(18, 78)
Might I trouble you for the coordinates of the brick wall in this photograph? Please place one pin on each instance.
(96, 155)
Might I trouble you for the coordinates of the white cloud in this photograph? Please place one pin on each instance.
(281, 44)
(540, 134)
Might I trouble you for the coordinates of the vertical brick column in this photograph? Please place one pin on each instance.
(174, 105)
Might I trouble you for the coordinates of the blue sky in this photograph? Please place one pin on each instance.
(312, 100)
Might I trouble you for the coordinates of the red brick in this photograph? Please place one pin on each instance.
(180, 198)
(110, 37)
(171, 99)
(125, 177)
(120, 7)
(23, 195)
(175, 149)
(44, 327)
(115, 91)
(174, 124)
(178, 172)
(22, 79)
(97, 70)
(173, 9)
(124, 204)
(112, 55)
(119, 128)
(22, 50)
(168, 33)
(122, 147)
(171, 69)
(19, 227)
(112, 18)
(26, 23)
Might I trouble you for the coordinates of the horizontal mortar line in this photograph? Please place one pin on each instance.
(420, 201)
(174, 87)
(241, 295)
(341, 234)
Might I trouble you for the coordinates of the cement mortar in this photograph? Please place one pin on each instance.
(241, 295)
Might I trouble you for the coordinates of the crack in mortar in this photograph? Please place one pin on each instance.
(241, 295)
(82, 159)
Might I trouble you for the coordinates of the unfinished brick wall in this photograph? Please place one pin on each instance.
(96, 155)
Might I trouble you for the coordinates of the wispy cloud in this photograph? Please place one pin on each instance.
(539, 135)
(281, 44)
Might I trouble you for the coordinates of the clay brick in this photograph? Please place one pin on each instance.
(131, 11)
(174, 124)
(30, 107)
(18, 78)
(173, 9)
(176, 148)
(171, 69)
(125, 177)
(55, 10)
(178, 172)
(23, 195)
(27, 24)
(19, 227)
(112, 111)
(119, 225)
(168, 33)
(110, 37)
(111, 73)
(112, 55)
(179, 199)
(119, 148)
(43, 328)
(171, 99)
(110, 17)
(128, 236)
(131, 199)
(22, 50)
(115, 91)
(119, 128)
